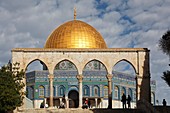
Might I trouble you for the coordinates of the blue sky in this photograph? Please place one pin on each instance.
(122, 23)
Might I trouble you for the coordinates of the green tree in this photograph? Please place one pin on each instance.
(164, 44)
(11, 85)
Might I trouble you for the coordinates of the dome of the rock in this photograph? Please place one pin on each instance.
(75, 34)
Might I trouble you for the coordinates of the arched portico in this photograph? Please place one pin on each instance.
(138, 57)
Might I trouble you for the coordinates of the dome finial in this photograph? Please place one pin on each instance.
(75, 13)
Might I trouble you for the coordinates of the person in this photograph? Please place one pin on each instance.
(62, 105)
(85, 105)
(89, 104)
(46, 105)
(123, 101)
(128, 101)
(164, 102)
(42, 105)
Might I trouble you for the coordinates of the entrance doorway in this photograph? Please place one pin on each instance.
(73, 96)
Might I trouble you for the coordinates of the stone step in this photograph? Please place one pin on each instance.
(80, 111)
(117, 111)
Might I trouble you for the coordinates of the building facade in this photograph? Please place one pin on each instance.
(95, 87)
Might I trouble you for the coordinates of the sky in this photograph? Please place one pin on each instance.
(122, 23)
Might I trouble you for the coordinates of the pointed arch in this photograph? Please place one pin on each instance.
(65, 64)
(125, 60)
(100, 66)
(33, 60)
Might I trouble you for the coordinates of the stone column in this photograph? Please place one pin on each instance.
(96, 102)
(101, 102)
(137, 87)
(80, 79)
(60, 100)
(45, 101)
(67, 102)
(51, 77)
(109, 78)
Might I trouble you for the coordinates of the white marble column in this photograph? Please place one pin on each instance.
(60, 100)
(51, 77)
(67, 102)
(80, 79)
(101, 105)
(96, 102)
(109, 78)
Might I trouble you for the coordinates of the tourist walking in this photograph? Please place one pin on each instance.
(128, 101)
(164, 102)
(123, 101)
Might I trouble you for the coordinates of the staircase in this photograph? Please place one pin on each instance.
(28, 102)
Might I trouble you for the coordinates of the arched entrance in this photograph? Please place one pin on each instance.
(73, 96)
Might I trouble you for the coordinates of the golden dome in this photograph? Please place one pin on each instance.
(75, 34)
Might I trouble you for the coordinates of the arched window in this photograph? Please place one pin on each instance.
(41, 91)
(96, 91)
(134, 95)
(106, 91)
(123, 91)
(130, 93)
(116, 92)
(152, 98)
(54, 91)
(61, 90)
(30, 92)
(86, 90)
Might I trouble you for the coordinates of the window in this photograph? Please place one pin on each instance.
(31, 92)
(134, 95)
(86, 90)
(116, 93)
(53, 91)
(41, 91)
(62, 91)
(106, 91)
(130, 93)
(123, 91)
(153, 98)
(96, 91)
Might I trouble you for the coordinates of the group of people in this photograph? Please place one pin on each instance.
(124, 100)
(86, 104)
(43, 105)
